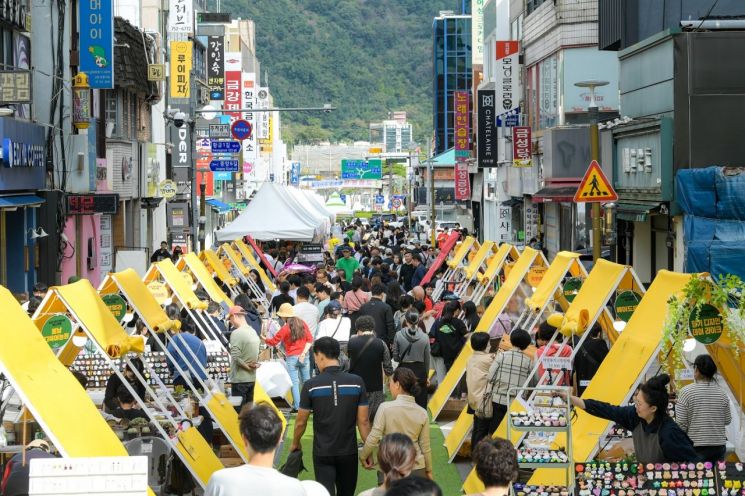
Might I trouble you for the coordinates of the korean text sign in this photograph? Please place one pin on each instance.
(461, 126)
(97, 42)
(521, 147)
(181, 60)
(216, 67)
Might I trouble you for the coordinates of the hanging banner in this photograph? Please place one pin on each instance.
(462, 182)
(707, 324)
(97, 43)
(487, 140)
(233, 84)
(521, 147)
(57, 330)
(181, 17)
(504, 226)
(263, 126)
(181, 160)
(508, 83)
(461, 104)
(249, 144)
(216, 67)
(181, 60)
(477, 31)
(295, 174)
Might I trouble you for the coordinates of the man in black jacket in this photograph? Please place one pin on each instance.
(382, 312)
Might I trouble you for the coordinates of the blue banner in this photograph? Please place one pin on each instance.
(97, 42)
(225, 146)
(224, 165)
(222, 176)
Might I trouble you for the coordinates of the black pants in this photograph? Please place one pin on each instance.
(245, 390)
(711, 453)
(421, 374)
(338, 474)
(205, 428)
(480, 430)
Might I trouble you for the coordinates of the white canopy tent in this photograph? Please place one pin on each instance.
(337, 206)
(278, 212)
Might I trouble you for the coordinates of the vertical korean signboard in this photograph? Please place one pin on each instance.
(97, 42)
(508, 83)
(462, 148)
(181, 17)
(295, 174)
(477, 31)
(216, 67)
(249, 145)
(487, 142)
(521, 149)
(232, 84)
(181, 60)
(263, 126)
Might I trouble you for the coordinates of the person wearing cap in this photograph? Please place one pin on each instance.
(335, 325)
(244, 356)
(16, 474)
(347, 262)
(297, 340)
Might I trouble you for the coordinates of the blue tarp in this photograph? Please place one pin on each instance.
(713, 200)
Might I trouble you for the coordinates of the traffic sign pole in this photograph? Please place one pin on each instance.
(595, 155)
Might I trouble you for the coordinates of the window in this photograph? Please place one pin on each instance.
(113, 119)
(531, 5)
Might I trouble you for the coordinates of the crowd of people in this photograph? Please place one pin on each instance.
(359, 334)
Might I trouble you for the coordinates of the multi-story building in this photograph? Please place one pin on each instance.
(394, 133)
(452, 71)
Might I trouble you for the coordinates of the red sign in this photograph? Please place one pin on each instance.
(233, 93)
(521, 149)
(461, 104)
(205, 178)
(462, 182)
(507, 48)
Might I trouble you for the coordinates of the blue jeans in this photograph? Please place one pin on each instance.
(298, 371)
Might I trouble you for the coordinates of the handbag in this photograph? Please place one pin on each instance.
(485, 409)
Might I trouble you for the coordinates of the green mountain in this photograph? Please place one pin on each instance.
(367, 57)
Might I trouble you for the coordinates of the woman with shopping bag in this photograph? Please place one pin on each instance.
(297, 340)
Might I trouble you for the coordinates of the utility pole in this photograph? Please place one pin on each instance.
(433, 214)
(597, 225)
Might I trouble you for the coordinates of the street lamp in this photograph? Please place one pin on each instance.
(594, 155)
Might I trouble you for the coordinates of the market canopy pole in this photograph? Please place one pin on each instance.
(191, 263)
(447, 247)
(49, 391)
(229, 256)
(216, 266)
(479, 262)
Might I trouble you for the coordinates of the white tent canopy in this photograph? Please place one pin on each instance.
(279, 212)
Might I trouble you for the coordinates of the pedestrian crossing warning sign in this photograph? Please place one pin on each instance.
(595, 187)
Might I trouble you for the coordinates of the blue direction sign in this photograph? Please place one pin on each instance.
(379, 199)
(241, 129)
(225, 146)
(224, 165)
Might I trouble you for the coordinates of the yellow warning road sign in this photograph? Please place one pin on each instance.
(595, 187)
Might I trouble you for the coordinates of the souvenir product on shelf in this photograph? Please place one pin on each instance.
(529, 490)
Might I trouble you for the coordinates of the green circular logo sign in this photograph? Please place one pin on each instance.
(117, 305)
(706, 325)
(571, 288)
(626, 303)
(56, 330)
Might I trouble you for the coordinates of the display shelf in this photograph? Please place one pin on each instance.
(519, 489)
(545, 465)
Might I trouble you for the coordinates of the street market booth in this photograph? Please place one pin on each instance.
(173, 421)
(280, 212)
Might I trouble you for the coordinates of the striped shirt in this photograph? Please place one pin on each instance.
(510, 369)
(703, 411)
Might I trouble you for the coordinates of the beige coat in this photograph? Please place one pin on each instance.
(477, 377)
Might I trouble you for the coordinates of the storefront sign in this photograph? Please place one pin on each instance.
(535, 276)
(156, 72)
(706, 325)
(216, 67)
(97, 42)
(219, 131)
(462, 182)
(159, 291)
(263, 125)
(477, 31)
(626, 303)
(531, 221)
(181, 162)
(249, 100)
(571, 288)
(87, 204)
(508, 83)
(105, 245)
(233, 84)
(116, 304)
(56, 331)
(181, 17)
(167, 189)
(17, 154)
(504, 226)
(521, 147)
(461, 127)
(181, 60)
(487, 141)
(15, 87)
(14, 13)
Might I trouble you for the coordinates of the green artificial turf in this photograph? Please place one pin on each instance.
(445, 474)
